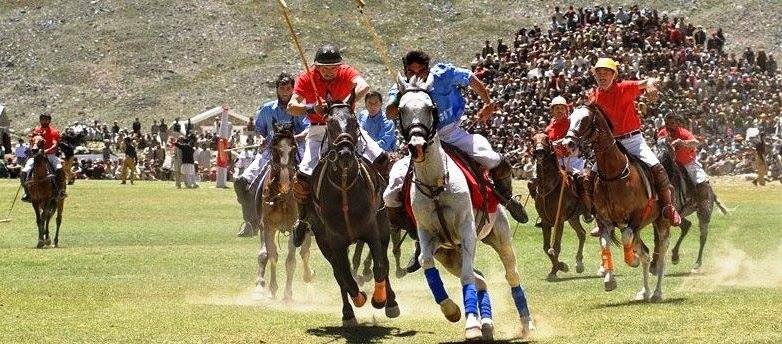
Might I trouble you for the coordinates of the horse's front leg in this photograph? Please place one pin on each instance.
(304, 252)
(429, 244)
(290, 270)
(472, 325)
(704, 217)
(271, 249)
(546, 229)
(396, 250)
(60, 206)
(39, 221)
(358, 250)
(607, 267)
(263, 258)
(663, 228)
(378, 249)
(685, 228)
(581, 234)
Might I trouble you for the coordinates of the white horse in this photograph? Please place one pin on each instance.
(447, 222)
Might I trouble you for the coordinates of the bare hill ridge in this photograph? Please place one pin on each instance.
(116, 60)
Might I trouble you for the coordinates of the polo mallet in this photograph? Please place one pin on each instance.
(379, 45)
(13, 202)
(295, 39)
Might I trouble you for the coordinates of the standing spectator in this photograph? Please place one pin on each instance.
(137, 127)
(487, 50)
(22, 151)
(204, 161)
(188, 163)
(188, 127)
(163, 131)
(501, 48)
(760, 160)
(129, 164)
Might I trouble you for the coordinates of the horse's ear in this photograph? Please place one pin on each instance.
(401, 83)
(428, 82)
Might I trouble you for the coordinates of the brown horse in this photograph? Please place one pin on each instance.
(546, 193)
(278, 212)
(623, 198)
(42, 187)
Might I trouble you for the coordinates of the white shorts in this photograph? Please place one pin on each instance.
(636, 146)
(696, 172)
(572, 164)
(473, 145)
(316, 136)
(53, 160)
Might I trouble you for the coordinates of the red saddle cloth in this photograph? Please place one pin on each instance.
(479, 192)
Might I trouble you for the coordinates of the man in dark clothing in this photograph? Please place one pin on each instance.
(129, 165)
(487, 50)
(188, 161)
(137, 126)
(115, 128)
(501, 47)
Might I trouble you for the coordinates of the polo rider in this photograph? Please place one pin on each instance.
(51, 137)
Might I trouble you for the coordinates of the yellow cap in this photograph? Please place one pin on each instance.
(605, 62)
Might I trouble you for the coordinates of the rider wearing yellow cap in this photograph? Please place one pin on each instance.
(616, 99)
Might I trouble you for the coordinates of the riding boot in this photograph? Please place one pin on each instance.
(413, 265)
(23, 180)
(587, 191)
(663, 187)
(59, 179)
(382, 165)
(503, 186)
(586, 200)
(302, 191)
(244, 196)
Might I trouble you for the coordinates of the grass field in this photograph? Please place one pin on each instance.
(150, 263)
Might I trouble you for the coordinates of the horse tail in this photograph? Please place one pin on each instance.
(721, 207)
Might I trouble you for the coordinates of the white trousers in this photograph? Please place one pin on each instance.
(53, 159)
(473, 145)
(222, 177)
(637, 146)
(572, 164)
(696, 172)
(316, 137)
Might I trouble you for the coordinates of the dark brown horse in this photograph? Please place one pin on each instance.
(623, 199)
(546, 193)
(43, 190)
(689, 199)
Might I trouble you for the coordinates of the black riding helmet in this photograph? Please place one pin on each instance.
(328, 55)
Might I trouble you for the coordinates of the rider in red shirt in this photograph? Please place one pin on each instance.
(617, 102)
(51, 138)
(684, 145)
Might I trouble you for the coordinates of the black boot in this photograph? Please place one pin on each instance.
(503, 186)
(23, 180)
(302, 191)
(414, 265)
(245, 197)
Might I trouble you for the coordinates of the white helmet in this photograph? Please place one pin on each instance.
(558, 100)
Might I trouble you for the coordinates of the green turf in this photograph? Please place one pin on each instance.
(150, 263)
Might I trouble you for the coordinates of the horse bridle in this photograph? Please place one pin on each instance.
(593, 130)
(428, 132)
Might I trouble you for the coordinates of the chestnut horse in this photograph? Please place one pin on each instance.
(43, 190)
(623, 199)
(546, 193)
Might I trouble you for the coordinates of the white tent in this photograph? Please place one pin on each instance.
(205, 121)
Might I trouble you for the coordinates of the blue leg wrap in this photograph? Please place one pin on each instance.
(520, 300)
(484, 303)
(435, 284)
(470, 299)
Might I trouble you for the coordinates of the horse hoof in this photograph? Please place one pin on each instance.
(472, 328)
(287, 300)
(360, 299)
(392, 312)
(400, 273)
(696, 271)
(352, 322)
(675, 259)
(579, 267)
(551, 277)
(562, 266)
(48, 242)
(633, 263)
(41, 244)
(601, 271)
(450, 310)
(378, 304)
(656, 297)
(527, 326)
(487, 329)
(642, 295)
(609, 285)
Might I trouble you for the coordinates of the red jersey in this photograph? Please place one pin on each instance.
(557, 129)
(336, 89)
(50, 135)
(684, 154)
(618, 105)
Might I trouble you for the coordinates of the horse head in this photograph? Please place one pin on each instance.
(587, 123)
(283, 144)
(342, 132)
(418, 116)
(542, 147)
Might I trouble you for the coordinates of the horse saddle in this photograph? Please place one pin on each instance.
(481, 190)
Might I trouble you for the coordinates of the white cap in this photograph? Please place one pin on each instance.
(558, 100)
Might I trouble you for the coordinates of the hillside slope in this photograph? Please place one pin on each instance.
(116, 60)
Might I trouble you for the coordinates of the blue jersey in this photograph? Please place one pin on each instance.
(445, 91)
(271, 112)
(379, 128)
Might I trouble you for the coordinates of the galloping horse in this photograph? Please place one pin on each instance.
(623, 198)
(278, 211)
(346, 200)
(546, 190)
(688, 201)
(446, 220)
(43, 189)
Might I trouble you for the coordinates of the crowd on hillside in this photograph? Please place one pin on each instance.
(722, 94)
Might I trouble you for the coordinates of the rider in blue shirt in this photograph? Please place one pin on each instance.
(267, 115)
(375, 123)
